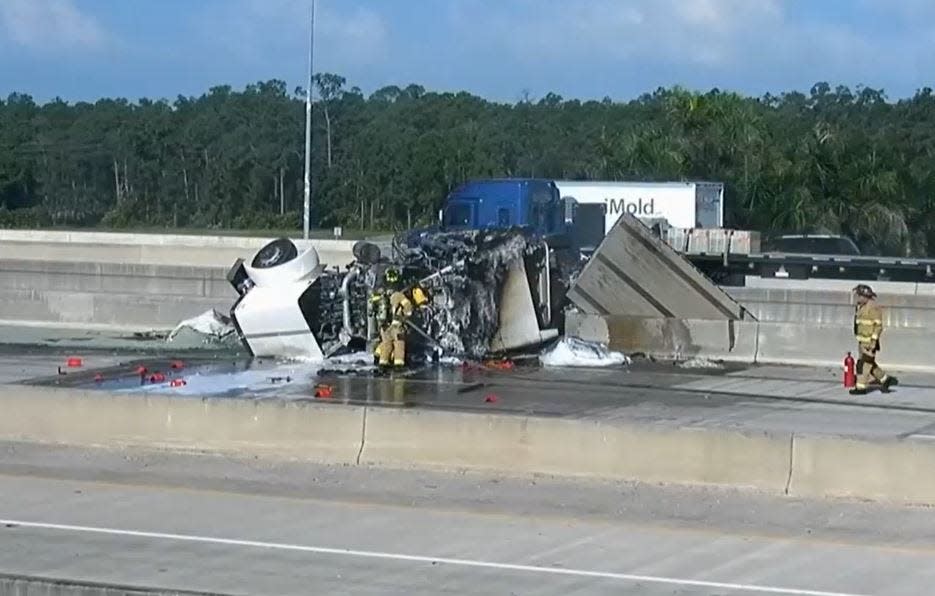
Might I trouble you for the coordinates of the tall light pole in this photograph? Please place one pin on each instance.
(308, 125)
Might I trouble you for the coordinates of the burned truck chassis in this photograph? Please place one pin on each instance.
(464, 275)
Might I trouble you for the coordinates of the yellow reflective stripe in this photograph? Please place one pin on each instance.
(869, 321)
(865, 339)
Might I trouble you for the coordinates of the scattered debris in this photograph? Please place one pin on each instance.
(74, 362)
(499, 364)
(491, 399)
(149, 335)
(210, 326)
(177, 383)
(700, 363)
(98, 378)
(323, 391)
(275, 380)
(177, 365)
(157, 377)
(571, 351)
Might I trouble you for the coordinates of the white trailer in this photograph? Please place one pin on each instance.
(683, 204)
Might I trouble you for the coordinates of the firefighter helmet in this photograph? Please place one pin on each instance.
(864, 290)
(392, 275)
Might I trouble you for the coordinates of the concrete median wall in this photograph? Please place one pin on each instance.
(152, 249)
(23, 585)
(127, 281)
(575, 448)
(107, 295)
(879, 470)
(289, 430)
(750, 342)
(778, 463)
(832, 307)
(669, 338)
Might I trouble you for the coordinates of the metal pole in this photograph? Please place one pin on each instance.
(308, 125)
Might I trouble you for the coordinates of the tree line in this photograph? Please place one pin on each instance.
(834, 160)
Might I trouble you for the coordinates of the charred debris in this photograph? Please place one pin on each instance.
(464, 274)
(489, 292)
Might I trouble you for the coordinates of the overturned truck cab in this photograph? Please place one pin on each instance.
(488, 292)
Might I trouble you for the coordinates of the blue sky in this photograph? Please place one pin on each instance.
(500, 49)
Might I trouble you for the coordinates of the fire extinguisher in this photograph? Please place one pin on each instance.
(850, 377)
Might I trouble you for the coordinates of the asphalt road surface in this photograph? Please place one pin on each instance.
(210, 524)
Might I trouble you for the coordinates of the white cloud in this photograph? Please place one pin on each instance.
(49, 25)
(756, 44)
(702, 32)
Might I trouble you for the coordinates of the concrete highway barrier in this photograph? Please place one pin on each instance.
(21, 585)
(572, 447)
(879, 470)
(120, 278)
(832, 307)
(128, 281)
(272, 428)
(884, 288)
(154, 249)
(907, 349)
(668, 338)
(110, 295)
(750, 342)
(304, 430)
(101, 310)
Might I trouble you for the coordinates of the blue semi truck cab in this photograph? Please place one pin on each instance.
(532, 205)
(505, 203)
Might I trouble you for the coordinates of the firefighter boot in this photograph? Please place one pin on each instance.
(399, 353)
(888, 383)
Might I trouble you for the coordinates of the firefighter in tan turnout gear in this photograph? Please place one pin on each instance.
(393, 308)
(868, 327)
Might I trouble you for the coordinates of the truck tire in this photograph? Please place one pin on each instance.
(366, 253)
(277, 252)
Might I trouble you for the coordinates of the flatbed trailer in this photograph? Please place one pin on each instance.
(732, 268)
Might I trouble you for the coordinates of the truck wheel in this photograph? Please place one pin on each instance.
(277, 252)
(366, 252)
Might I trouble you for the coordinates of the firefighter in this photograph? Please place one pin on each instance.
(868, 327)
(393, 309)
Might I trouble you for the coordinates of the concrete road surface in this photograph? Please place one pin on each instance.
(210, 524)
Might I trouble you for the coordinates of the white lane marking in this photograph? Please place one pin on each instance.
(672, 581)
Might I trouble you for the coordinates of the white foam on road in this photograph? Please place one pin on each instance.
(700, 363)
(12, 525)
(254, 379)
(575, 352)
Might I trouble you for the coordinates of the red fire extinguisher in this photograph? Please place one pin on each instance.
(850, 377)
